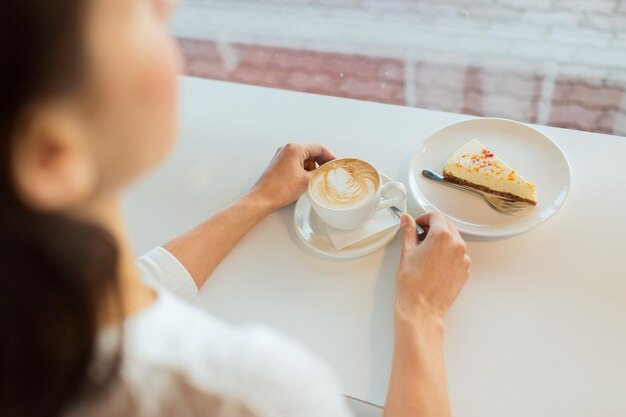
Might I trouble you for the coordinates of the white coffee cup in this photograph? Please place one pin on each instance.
(346, 193)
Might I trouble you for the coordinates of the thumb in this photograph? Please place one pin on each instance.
(409, 232)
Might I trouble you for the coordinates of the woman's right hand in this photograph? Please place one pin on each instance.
(430, 277)
(433, 272)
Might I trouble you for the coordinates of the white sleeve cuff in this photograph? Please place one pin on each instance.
(159, 268)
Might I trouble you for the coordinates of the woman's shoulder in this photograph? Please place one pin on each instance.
(143, 389)
(255, 364)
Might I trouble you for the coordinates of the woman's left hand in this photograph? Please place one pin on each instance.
(289, 172)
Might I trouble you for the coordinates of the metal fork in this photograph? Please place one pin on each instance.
(500, 204)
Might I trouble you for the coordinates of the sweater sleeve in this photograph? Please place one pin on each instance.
(161, 270)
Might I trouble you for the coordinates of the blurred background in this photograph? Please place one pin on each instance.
(552, 62)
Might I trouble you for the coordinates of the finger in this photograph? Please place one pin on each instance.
(455, 233)
(310, 165)
(318, 153)
(437, 221)
(432, 220)
(409, 232)
(423, 220)
(433, 223)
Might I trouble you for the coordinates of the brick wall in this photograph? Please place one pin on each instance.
(352, 76)
(556, 62)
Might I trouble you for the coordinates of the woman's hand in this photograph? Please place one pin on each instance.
(200, 250)
(288, 174)
(430, 277)
(431, 274)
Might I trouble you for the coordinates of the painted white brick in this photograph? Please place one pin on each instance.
(543, 51)
(516, 31)
(618, 75)
(605, 22)
(551, 19)
(602, 57)
(430, 75)
(584, 70)
(605, 6)
(579, 36)
(491, 12)
(386, 5)
(619, 40)
(503, 106)
(503, 83)
(537, 5)
(448, 100)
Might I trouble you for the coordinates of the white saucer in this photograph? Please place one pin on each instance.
(534, 154)
(312, 231)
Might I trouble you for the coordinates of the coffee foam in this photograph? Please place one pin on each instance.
(344, 183)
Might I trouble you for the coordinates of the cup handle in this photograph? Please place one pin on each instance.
(392, 186)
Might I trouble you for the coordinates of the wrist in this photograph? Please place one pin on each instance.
(257, 204)
(418, 319)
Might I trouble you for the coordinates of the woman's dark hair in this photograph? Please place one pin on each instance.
(55, 270)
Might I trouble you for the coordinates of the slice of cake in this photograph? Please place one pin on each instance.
(475, 166)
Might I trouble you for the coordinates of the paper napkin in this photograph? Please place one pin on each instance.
(382, 220)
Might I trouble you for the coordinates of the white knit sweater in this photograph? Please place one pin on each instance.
(180, 361)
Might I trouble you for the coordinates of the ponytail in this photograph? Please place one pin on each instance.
(55, 271)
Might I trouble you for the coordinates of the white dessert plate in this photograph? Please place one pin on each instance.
(528, 151)
(312, 231)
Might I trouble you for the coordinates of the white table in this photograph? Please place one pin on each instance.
(540, 329)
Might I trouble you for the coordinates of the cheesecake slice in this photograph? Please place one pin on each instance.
(475, 166)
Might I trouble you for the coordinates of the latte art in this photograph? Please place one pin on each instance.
(344, 183)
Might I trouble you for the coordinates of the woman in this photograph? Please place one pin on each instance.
(88, 93)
